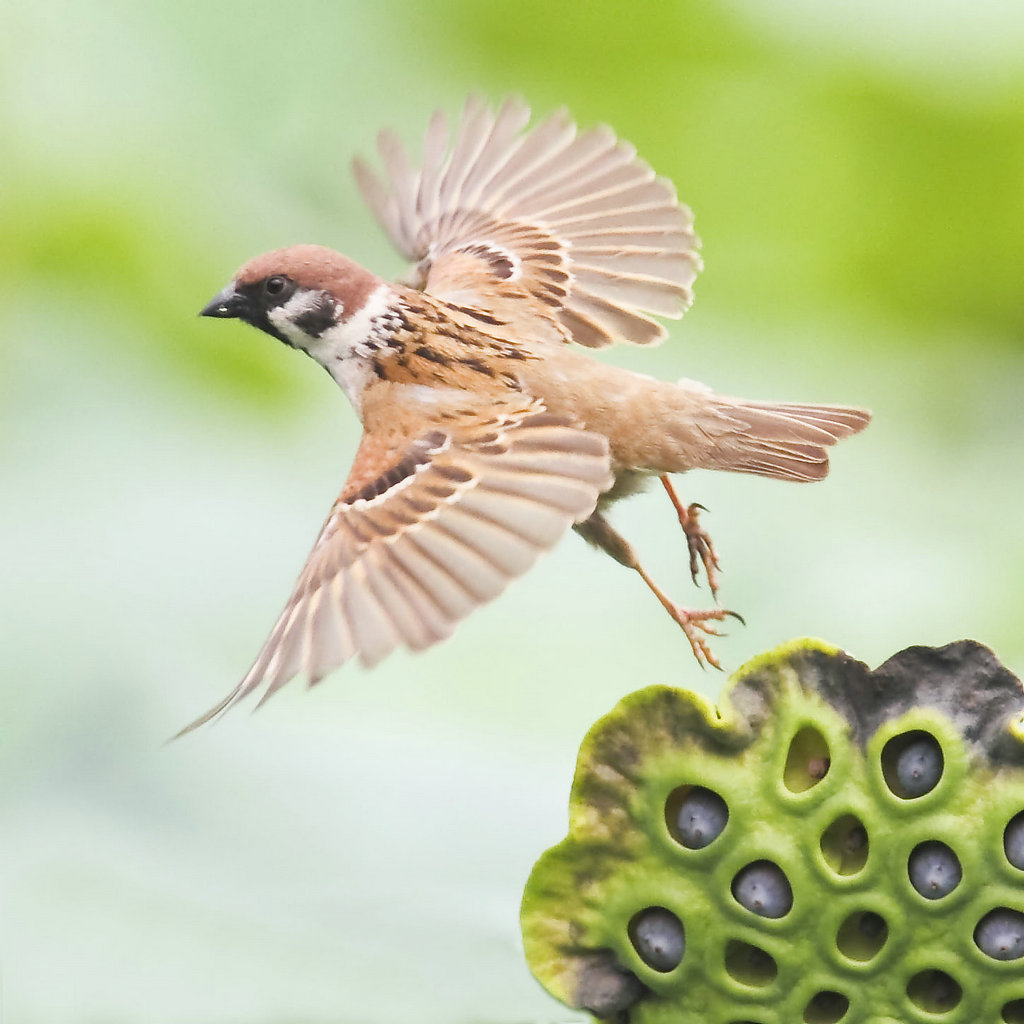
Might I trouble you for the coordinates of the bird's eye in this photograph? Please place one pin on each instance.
(275, 285)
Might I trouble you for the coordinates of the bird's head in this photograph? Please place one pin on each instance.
(301, 295)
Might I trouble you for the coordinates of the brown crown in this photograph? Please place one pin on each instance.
(314, 266)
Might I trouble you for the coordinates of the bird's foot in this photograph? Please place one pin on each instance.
(697, 627)
(698, 541)
(696, 624)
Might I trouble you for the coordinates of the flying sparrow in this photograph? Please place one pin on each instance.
(487, 432)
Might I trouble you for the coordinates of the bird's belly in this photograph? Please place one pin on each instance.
(627, 482)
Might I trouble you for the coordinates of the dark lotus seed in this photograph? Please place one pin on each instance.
(919, 766)
(658, 936)
(934, 870)
(1013, 841)
(701, 819)
(762, 887)
(1000, 934)
(604, 987)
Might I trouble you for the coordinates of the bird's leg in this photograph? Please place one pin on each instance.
(697, 540)
(695, 623)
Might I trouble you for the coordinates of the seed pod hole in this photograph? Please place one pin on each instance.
(912, 764)
(1000, 934)
(1013, 1011)
(826, 1007)
(807, 762)
(749, 965)
(1013, 841)
(844, 845)
(934, 869)
(862, 935)
(934, 991)
(762, 887)
(659, 938)
(695, 816)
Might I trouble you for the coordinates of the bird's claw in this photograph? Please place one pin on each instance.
(702, 549)
(696, 625)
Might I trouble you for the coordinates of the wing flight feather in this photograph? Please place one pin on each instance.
(445, 528)
(574, 219)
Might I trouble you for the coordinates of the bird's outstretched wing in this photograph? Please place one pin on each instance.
(574, 219)
(460, 510)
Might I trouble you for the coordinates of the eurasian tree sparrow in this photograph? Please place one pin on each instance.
(487, 431)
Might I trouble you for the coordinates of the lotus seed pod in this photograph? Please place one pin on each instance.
(659, 938)
(765, 860)
(701, 818)
(934, 870)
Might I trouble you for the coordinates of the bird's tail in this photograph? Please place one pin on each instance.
(788, 441)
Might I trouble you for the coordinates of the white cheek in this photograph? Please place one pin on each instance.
(298, 338)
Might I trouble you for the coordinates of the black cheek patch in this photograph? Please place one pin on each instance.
(318, 318)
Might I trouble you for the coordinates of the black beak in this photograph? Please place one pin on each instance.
(225, 304)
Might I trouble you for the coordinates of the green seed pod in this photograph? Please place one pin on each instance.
(830, 844)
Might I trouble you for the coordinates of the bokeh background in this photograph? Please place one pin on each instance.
(356, 854)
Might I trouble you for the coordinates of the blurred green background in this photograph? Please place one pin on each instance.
(357, 854)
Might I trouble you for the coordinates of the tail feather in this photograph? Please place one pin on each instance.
(838, 421)
(787, 441)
